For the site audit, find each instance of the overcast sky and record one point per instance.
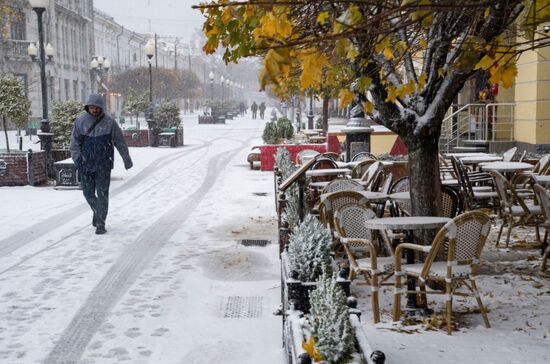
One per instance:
(165, 17)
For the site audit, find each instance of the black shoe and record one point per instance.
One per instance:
(100, 230)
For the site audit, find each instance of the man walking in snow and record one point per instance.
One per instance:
(254, 109)
(262, 110)
(94, 135)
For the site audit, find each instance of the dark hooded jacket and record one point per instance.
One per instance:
(92, 149)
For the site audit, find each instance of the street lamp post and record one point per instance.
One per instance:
(211, 78)
(222, 79)
(100, 65)
(150, 52)
(310, 115)
(39, 7)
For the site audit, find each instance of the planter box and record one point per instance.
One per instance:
(207, 119)
(294, 335)
(66, 175)
(136, 138)
(295, 293)
(20, 168)
(60, 154)
(267, 156)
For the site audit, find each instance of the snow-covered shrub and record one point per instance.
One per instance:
(270, 135)
(62, 118)
(330, 325)
(309, 249)
(284, 162)
(284, 128)
(167, 115)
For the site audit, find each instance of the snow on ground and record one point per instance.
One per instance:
(179, 215)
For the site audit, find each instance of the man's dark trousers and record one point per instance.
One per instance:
(99, 182)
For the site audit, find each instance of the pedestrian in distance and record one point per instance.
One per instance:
(94, 136)
(254, 109)
(262, 110)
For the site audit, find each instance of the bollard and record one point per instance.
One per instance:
(20, 143)
(30, 169)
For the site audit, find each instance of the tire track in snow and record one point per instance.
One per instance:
(76, 337)
(23, 237)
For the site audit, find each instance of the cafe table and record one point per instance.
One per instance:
(507, 167)
(542, 180)
(409, 224)
(328, 172)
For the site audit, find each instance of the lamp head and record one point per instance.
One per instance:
(150, 49)
(39, 4)
(106, 64)
(50, 51)
(94, 64)
(222, 79)
(32, 51)
(211, 76)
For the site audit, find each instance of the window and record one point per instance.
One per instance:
(83, 91)
(18, 29)
(75, 90)
(67, 89)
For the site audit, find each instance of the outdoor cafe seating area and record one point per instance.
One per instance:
(415, 267)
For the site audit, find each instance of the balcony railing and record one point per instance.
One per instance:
(16, 49)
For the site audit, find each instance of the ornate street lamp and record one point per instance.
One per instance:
(150, 52)
(100, 66)
(211, 78)
(39, 7)
(222, 79)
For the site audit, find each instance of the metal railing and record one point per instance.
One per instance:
(16, 48)
(477, 122)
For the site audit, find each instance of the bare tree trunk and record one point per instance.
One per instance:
(6, 133)
(424, 179)
(326, 99)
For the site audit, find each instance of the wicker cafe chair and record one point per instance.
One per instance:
(514, 210)
(361, 168)
(363, 156)
(362, 249)
(544, 200)
(334, 201)
(508, 155)
(331, 155)
(474, 197)
(323, 163)
(305, 154)
(400, 208)
(460, 241)
(342, 184)
(371, 175)
(451, 203)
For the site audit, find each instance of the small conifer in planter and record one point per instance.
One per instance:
(309, 249)
(331, 328)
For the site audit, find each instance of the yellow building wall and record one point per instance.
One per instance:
(532, 97)
(382, 143)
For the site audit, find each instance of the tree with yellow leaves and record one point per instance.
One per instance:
(409, 58)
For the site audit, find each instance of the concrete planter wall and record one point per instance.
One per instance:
(20, 168)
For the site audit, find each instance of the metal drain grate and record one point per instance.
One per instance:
(242, 307)
(254, 242)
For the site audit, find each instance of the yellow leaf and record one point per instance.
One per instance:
(392, 94)
(352, 54)
(322, 17)
(368, 107)
(441, 72)
(423, 43)
(401, 46)
(422, 81)
(388, 54)
(508, 75)
(487, 12)
(227, 15)
(345, 98)
(485, 63)
(312, 68)
(249, 12)
(309, 347)
(495, 74)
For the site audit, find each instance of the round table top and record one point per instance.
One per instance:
(355, 163)
(400, 196)
(368, 195)
(480, 159)
(463, 155)
(507, 166)
(327, 172)
(542, 180)
(407, 223)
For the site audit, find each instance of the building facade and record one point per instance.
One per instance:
(68, 27)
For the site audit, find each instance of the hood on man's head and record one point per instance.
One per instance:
(95, 100)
